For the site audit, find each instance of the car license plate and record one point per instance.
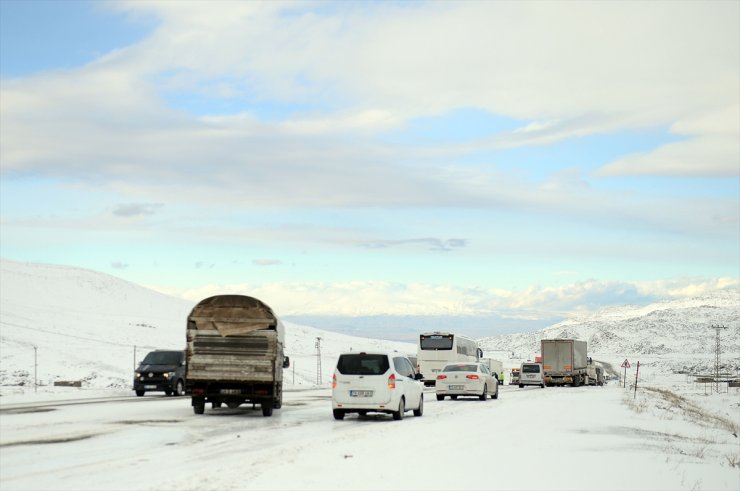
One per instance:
(457, 387)
(231, 391)
(150, 386)
(360, 393)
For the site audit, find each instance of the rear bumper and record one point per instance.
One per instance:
(531, 382)
(233, 391)
(469, 390)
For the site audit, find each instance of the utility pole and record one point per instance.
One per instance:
(717, 353)
(35, 368)
(318, 361)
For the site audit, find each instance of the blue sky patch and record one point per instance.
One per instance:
(42, 35)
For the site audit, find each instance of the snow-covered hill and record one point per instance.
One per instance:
(95, 327)
(677, 334)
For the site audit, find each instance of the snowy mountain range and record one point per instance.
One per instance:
(676, 333)
(65, 323)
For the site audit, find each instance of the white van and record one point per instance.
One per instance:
(378, 382)
(531, 374)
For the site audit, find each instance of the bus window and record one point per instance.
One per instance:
(435, 342)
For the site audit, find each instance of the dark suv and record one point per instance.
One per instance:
(161, 370)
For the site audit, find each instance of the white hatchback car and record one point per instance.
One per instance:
(466, 379)
(376, 381)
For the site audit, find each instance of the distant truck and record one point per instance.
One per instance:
(595, 374)
(235, 354)
(565, 362)
(515, 376)
(496, 367)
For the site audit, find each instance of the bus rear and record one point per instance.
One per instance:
(437, 349)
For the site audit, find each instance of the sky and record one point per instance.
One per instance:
(525, 159)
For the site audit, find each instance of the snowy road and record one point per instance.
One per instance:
(554, 438)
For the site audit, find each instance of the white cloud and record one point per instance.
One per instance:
(356, 298)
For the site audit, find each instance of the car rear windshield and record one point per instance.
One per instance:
(163, 358)
(363, 364)
(531, 368)
(461, 368)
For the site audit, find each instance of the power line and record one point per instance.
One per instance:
(127, 345)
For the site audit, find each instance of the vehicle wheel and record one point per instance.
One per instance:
(454, 398)
(139, 393)
(521, 386)
(216, 404)
(495, 395)
(420, 411)
(398, 415)
(267, 408)
(168, 392)
(440, 397)
(542, 386)
(484, 395)
(199, 409)
(179, 388)
(339, 414)
(233, 404)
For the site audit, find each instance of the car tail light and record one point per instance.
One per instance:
(392, 381)
(472, 376)
(334, 381)
(441, 377)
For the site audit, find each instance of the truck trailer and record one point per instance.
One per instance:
(496, 367)
(235, 354)
(564, 361)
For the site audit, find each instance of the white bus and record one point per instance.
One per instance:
(436, 349)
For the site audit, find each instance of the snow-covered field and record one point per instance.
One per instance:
(671, 433)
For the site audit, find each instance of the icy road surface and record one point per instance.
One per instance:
(590, 438)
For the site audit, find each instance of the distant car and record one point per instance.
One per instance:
(531, 374)
(161, 371)
(466, 379)
(377, 382)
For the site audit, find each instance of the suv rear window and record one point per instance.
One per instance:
(363, 364)
(531, 368)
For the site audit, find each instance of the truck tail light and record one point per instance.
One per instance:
(441, 377)
(472, 376)
(392, 381)
(334, 381)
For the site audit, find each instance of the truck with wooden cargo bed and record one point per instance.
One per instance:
(235, 354)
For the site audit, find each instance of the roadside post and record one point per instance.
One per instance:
(636, 374)
(625, 365)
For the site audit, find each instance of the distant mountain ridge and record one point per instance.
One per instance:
(93, 327)
(681, 328)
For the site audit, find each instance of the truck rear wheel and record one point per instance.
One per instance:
(139, 393)
(338, 414)
(199, 409)
(267, 408)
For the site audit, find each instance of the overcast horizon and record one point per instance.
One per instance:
(519, 160)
